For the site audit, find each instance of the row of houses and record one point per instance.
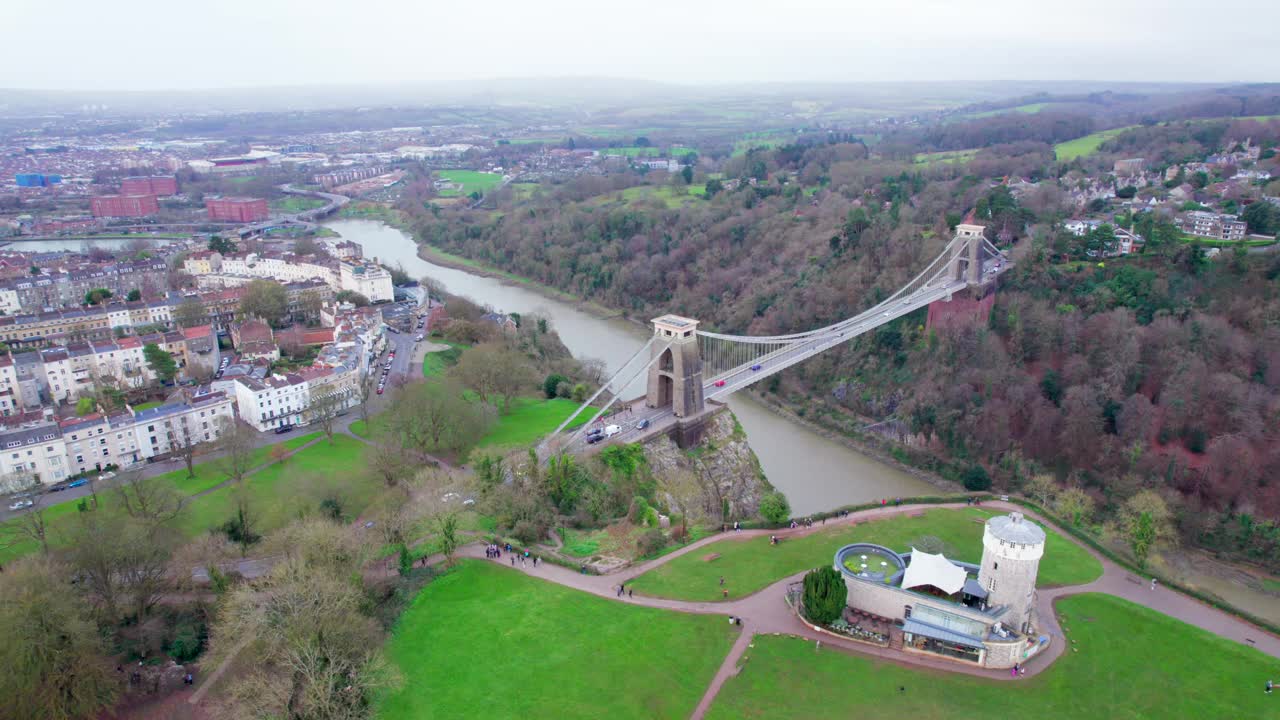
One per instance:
(50, 452)
(213, 269)
(62, 374)
(63, 288)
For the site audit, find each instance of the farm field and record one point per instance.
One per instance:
(486, 642)
(1087, 145)
(470, 180)
(1127, 662)
(751, 565)
(945, 156)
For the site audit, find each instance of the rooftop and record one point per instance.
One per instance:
(1015, 528)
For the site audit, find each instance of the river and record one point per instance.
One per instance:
(815, 473)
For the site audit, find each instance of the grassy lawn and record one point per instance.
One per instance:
(61, 516)
(147, 405)
(1029, 109)
(1132, 663)
(945, 156)
(278, 494)
(470, 180)
(295, 204)
(1087, 145)
(671, 197)
(750, 565)
(487, 642)
(632, 151)
(529, 419)
(434, 363)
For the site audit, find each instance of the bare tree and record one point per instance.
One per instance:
(121, 561)
(150, 499)
(390, 459)
(236, 443)
(366, 390)
(323, 410)
(30, 526)
(186, 445)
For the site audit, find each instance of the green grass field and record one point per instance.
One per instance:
(670, 196)
(147, 405)
(295, 204)
(470, 180)
(1131, 663)
(434, 363)
(1087, 145)
(487, 642)
(750, 565)
(1029, 109)
(279, 495)
(60, 517)
(529, 420)
(632, 151)
(945, 156)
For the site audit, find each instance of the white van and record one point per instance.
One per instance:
(612, 430)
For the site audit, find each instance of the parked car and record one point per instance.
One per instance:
(719, 383)
(77, 483)
(612, 430)
(284, 429)
(593, 439)
(20, 504)
(58, 488)
(379, 389)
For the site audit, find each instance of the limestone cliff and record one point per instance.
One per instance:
(720, 471)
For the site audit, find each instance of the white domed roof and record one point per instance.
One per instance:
(1014, 528)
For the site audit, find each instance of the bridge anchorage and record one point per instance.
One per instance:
(690, 371)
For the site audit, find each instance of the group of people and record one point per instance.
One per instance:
(1017, 670)
(623, 589)
(494, 552)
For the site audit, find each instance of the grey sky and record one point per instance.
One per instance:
(157, 44)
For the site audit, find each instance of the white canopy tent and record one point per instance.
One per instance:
(936, 570)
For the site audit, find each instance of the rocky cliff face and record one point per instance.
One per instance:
(721, 471)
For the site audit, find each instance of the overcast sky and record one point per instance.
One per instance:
(159, 44)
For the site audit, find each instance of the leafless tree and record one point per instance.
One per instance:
(149, 499)
(323, 409)
(30, 526)
(236, 443)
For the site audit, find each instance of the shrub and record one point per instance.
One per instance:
(651, 542)
(774, 508)
(187, 641)
(679, 533)
(637, 510)
(552, 384)
(825, 595)
(527, 532)
(976, 478)
(331, 508)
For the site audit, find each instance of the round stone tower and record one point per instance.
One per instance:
(1011, 550)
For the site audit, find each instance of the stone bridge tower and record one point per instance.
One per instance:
(675, 375)
(967, 265)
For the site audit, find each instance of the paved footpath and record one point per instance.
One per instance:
(766, 611)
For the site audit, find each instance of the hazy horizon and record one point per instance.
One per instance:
(147, 45)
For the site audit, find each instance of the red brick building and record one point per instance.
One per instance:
(124, 206)
(236, 209)
(162, 185)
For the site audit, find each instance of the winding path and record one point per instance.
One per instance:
(766, 611)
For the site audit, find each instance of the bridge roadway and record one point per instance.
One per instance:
(631, 414)
(305, 218)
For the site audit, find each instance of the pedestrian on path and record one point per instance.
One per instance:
(630, 592)
(535, 561)
(1270, 686)
(513, 560)
(1153, 583)
(620, 588)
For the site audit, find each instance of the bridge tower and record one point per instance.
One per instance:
(675, 375)
(967, 265)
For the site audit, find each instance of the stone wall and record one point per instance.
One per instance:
(721, 464)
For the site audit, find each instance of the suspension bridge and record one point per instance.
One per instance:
(686, 366)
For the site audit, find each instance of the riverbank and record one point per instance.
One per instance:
(457, 262)
(874, 451)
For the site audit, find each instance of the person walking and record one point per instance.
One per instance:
(726, 593)
(513, 560)
(630, 592)
(1153, 583)
(1270, 687)
(721, 581)
(535, 561)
